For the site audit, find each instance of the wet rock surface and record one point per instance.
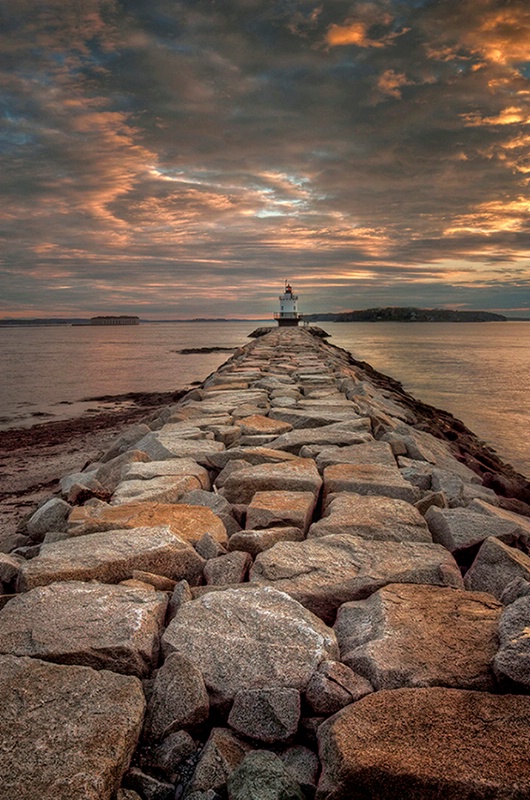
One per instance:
(209, 550)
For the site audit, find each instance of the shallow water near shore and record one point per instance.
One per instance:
(480, 372)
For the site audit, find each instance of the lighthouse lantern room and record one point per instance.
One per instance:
(288, 314)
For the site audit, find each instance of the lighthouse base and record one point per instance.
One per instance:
(288, 322)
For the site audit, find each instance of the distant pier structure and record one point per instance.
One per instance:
(288, 315)
(123, 320)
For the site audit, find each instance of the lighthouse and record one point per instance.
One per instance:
(288, 314)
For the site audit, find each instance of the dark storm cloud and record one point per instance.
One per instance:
(178, 156)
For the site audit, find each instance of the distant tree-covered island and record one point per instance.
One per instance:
(395, 314)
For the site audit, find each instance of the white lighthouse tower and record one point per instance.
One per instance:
(288, 314)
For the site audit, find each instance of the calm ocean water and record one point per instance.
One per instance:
(480, 372)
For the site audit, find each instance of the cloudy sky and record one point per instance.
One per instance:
(181, 158)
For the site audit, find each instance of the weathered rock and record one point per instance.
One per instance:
(252, 455)
(163, 444)
(430, 499)
(314, 417)
(515, 589)
(178, 700)
(291, 509)
(169, 754)
(158, 582)
(298, 475)
(52, 516)
(266, 715)
(459, 528)
(187, 522)
(372, 517)
(406, 635)
(333, 686)
(126, 441)
(127, 794)
(263, 776)
(249, 639)
(149, 787)
(230, 568)
(181, 594)
(77, 486)
(67, 731)
(174, 467)
(483, 507)
(449, 743)
(513, 658)
(324, 573)
(359, 431)
(303, 766)
(368, 479)
(90, 624)
(166, 489)
(364, 453)
(109, 473)
(111, 557)
(258, 424)
(222, 754)
(208, 547)
(495, 566)
(9, 567)
(219, 505)
(255, 542)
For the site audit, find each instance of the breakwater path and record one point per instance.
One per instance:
(280, 587)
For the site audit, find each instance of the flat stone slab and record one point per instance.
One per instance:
(459, 528)
(257, 541)
(369, 479)
(324, 573)
(270, 509)
(428, 744)
(165, 489)
(495, 566)
(258, 424)
(111, 557)
(90, 624)
(411, 635)
(253, 455)
(360, 431)
(188, 522)
(68, 732)
(157, 469)
(361, 453)
(313, 417)
(372, 517)
(161, 445)
(298, 475)
(249, 639)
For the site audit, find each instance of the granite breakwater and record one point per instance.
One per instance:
(295, 582)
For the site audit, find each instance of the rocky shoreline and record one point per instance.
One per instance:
(295, 581)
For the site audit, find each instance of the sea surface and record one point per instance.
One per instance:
(480, 372)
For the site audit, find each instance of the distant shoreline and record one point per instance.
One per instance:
(314, 318)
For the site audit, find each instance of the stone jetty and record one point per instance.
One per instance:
(281, 587)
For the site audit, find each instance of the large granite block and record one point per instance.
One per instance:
(326, 572)
(368, 479)
(298, 475)
(495, 566)
(429, 744)
(90, 624)
(372, 517)
(111, 557)
(412, 635)
(188, 522)
(67, 732)
(249, 639)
